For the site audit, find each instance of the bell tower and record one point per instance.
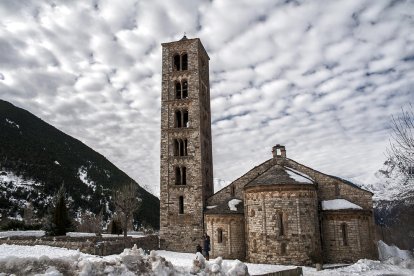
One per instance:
(186, 175)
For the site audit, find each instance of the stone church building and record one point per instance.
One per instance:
(279, 212)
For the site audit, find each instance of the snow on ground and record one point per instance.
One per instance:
(18, 181)
(133, 234)
(59, 260)
(338, 204)
(83, 176)
(28, 233)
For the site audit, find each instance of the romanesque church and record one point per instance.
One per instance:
(279, 212)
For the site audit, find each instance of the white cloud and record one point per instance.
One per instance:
(321, 77)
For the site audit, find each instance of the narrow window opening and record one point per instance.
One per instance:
(178, 121)
(176, 147)
(184, 176)
(177, 63)
(184, 62)
(185, 147)
(178, 90)
(219, 235)
(185, 90)
(344, 234)
(281, 224)
(337, 192)
(185, 119)
(232, 190)
(181, 143)
(177, 176)
(181, 205)
(283, 249)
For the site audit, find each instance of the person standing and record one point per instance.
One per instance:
(206, 246)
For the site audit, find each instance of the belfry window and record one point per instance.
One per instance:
(180, 62)
(180, 175)
(180, 147)
(181, 90)
(219, 235)
(181, 118)
(181, 205)
(344, 230)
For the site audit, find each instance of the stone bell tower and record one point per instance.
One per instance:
(186, 154)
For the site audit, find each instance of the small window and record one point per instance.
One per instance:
(344, 230)
(177, 63)
(185, 90)
(283, 247)
(281, 224)
(181, 205)
(411, 171)
(232, 190)
(337, 191)
(178, 90)
(180, 176)
(219, 235)
(181, 119)
(184, 62)
(180, 147)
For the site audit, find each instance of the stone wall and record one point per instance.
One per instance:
(281, 224)
(358, 241)
(89, 245)
(232, 245)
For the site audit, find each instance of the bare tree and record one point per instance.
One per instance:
(127, 201)
(402, 139)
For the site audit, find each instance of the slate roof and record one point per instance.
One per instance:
(224, 208)
(280, 175)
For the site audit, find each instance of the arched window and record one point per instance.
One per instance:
(181, 118)
(219, 235)
(337, 191)
(281, 224)
(177, 62)
(181, 205)
(180, 147)
(178, 90)
(180, 176)
(181, 90)
(184, 62)
(185, 89)
(344, 230)
(180, 62)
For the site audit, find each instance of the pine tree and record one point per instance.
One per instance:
(59, 222)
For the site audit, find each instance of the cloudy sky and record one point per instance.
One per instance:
(321, 77)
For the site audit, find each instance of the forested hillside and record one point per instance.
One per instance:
(36, 159)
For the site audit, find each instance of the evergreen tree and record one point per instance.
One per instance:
(59, 222)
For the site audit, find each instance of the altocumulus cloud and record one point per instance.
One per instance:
(321, 77)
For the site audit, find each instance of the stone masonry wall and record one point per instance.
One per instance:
(358, 244)
(233, 241)
(281, 240)
(181, 232)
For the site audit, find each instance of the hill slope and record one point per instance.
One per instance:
(36, 158)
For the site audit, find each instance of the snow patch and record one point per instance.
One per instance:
(83, 176)
(297, 176)
(57, 163)
(211, 206)
(28, 233)
(391, 251)
(12, 123)
(232, 204)
(338, 204)
(18, 181)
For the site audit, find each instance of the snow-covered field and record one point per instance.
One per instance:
(41, 233)
(52, 261)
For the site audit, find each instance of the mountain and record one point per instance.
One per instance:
(394, 205)
(36, 159)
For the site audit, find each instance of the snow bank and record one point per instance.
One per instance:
(391, 251)
(27, 233)
(46, 260)
(233, 203)
(338, 204)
